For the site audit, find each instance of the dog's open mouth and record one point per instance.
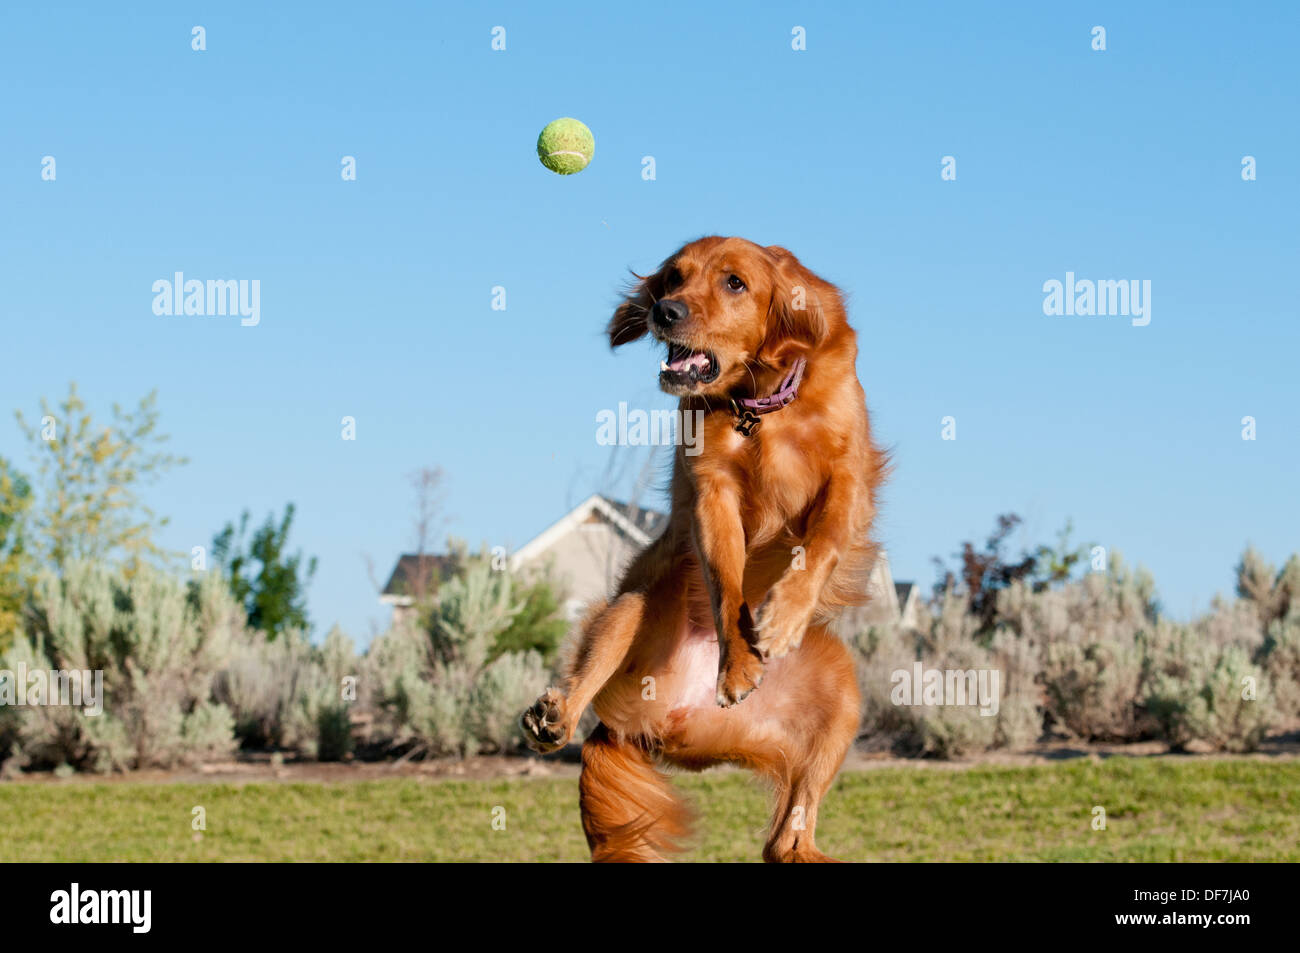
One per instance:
(687, 367)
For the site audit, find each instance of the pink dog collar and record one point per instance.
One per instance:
(749, 409)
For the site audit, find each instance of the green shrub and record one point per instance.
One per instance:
(333, 732)
(539, 626)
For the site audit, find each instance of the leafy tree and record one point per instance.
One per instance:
(87, 476)
(983, 573)
(15, 561)
(1054, 565)
(427, 483)
(269, 582)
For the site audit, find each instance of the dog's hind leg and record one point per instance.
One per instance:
(794, 730)
(791, 838)
(813, 759)
(603, 642)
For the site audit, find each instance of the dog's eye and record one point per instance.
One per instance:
(735, 284)
(672, 280)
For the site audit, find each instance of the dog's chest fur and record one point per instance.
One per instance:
(778, 471)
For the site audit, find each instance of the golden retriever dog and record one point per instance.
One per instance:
(716, 647)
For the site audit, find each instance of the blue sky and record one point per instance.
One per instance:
(376, 293)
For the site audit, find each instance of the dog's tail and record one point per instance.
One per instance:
(629, 809)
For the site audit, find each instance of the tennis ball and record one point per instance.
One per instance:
(566, 146)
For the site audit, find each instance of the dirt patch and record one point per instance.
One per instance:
(263, 768)
(873, 753)
(866, 755)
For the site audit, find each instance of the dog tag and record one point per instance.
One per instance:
(748, 423)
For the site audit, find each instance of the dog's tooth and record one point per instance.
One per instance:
(663, 366)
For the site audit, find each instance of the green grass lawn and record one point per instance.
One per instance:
(1157, 810)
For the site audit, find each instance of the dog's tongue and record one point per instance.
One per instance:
(697, 359)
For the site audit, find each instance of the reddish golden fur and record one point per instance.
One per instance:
(740, 509)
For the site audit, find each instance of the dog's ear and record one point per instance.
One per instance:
(797, 316)
(630, 318)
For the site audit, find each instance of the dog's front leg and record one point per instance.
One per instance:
(719, 538)
(786, 613)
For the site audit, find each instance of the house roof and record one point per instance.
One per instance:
(641, 525)
(398, 589)
(650, 522)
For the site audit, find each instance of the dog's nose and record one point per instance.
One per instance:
(667, 312)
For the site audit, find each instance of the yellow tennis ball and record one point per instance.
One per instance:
(566, 146)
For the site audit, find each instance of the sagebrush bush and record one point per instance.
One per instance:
(946, 642)
(1094, 659)
(158, 645)
(1232, 623)
(1198, 692)
(881, 650)
(1279, 654)
(1176, 666)
(441, 686)
(1235, 709)
(261, 685)
(504, 689)
(285, 693)
(950, 643)
(184, 678)
(1269, 592)
(1020, 714)
(1092, 690)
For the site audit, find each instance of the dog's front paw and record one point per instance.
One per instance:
(546, 724)
(741, 673)
(779, 624)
